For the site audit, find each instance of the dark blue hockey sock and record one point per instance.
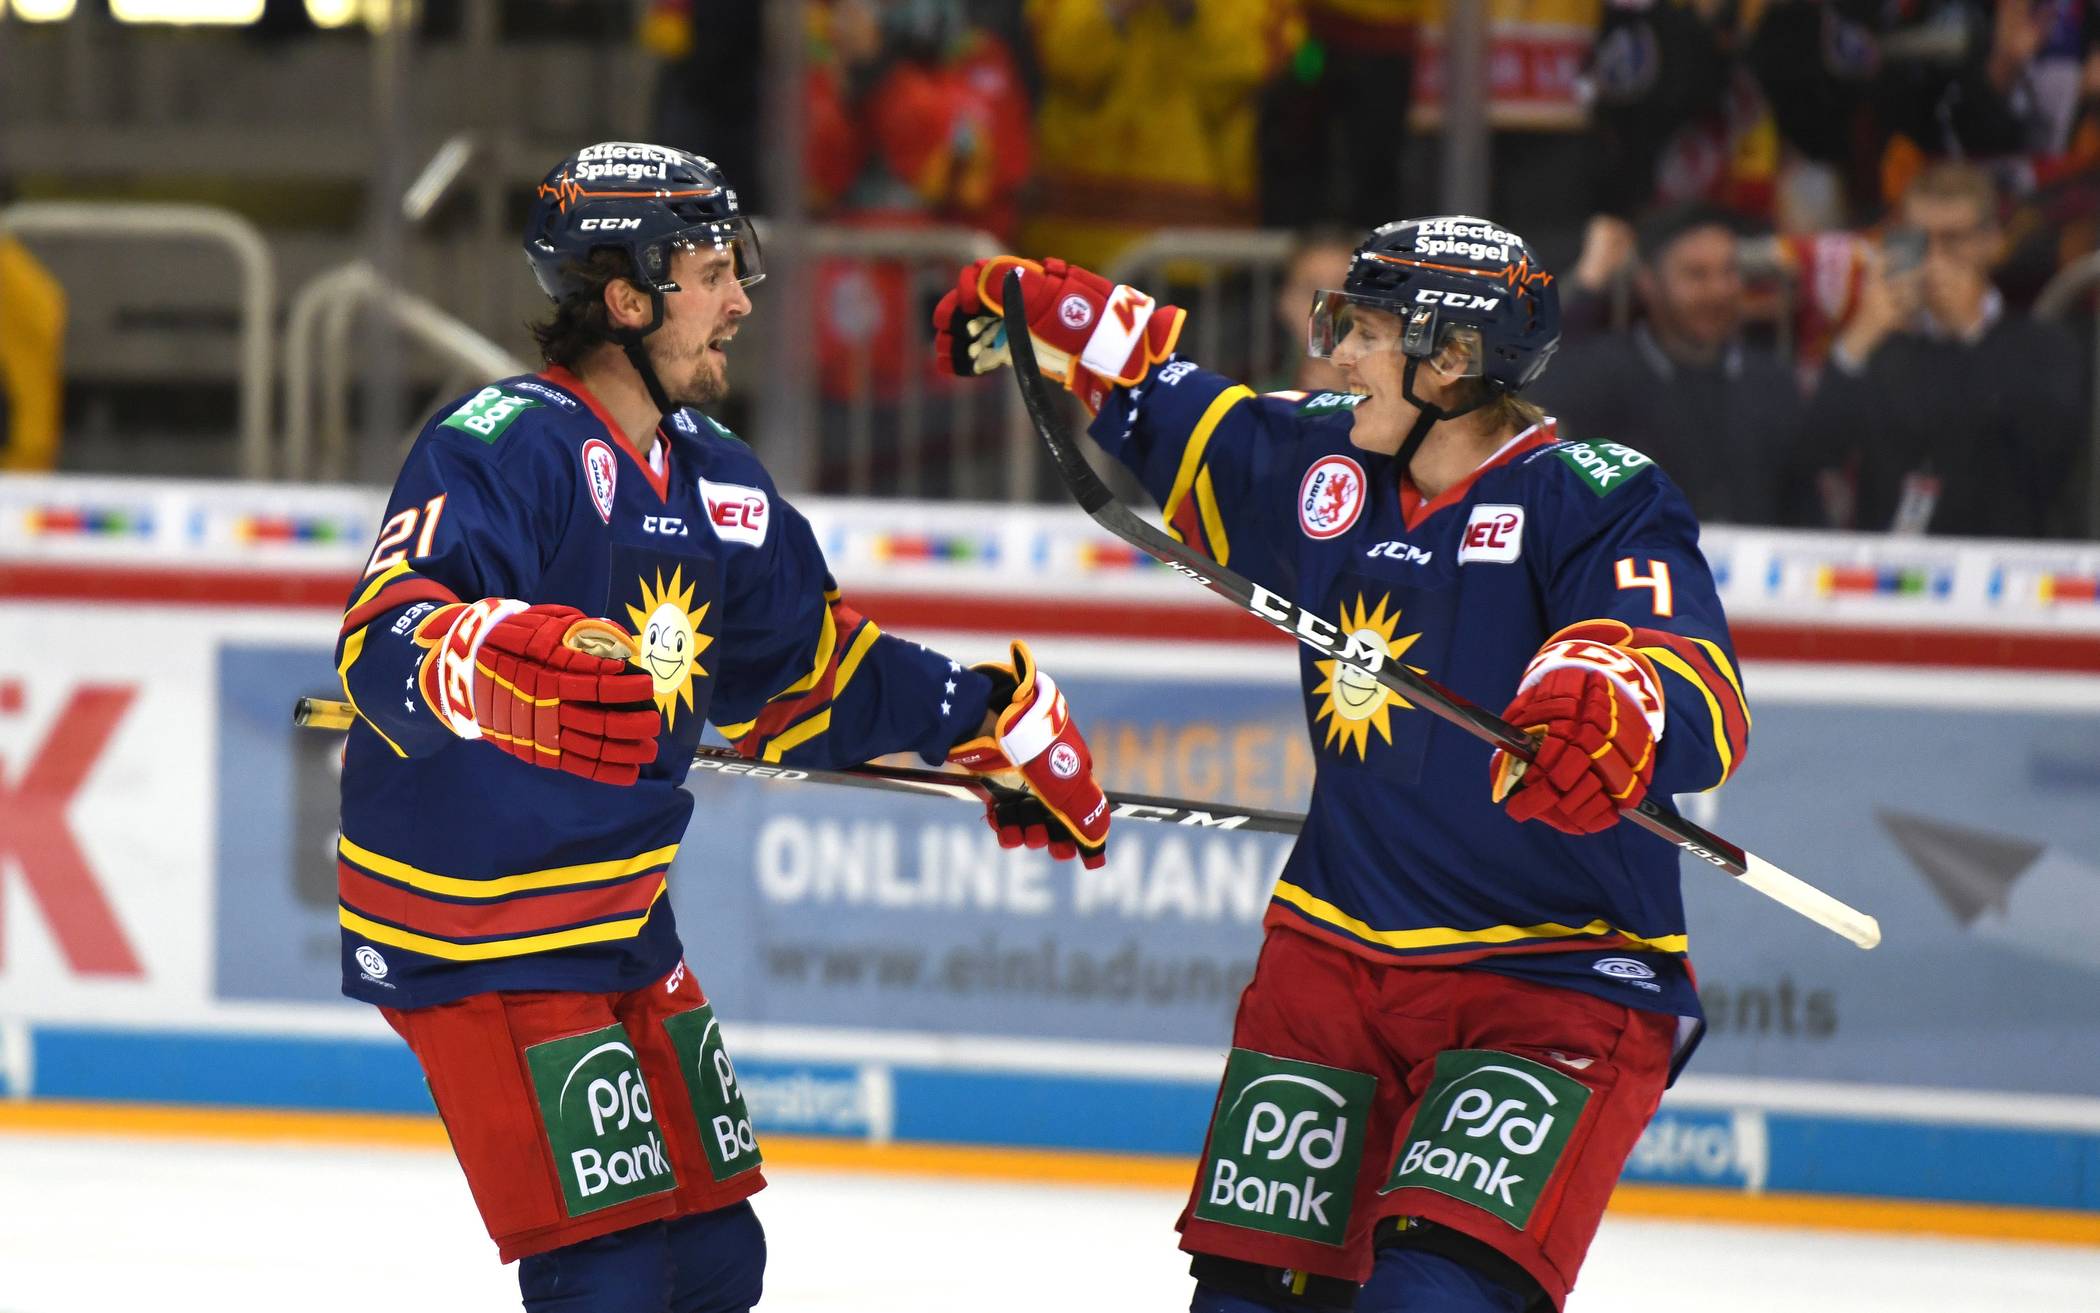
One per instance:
(626, 1272)
(1210, 1299)
(718, 1260)
(1410, 1280)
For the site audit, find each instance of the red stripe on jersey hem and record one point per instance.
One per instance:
(570, 383)
(398, 594)
(1413, 510)
(506, 918)
(1282, 915)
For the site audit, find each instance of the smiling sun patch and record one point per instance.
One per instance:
(671, 642)
(1352, 703)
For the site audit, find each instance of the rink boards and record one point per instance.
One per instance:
(1925, 747)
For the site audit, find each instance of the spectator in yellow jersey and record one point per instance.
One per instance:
(1148, 116)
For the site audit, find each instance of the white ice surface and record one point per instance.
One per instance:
(121, 1226)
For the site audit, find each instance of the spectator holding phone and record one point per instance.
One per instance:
(1941, 411)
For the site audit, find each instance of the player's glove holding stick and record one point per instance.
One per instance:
(1088, 334)
(1595, 705)
(1035, 740)
(547, 684)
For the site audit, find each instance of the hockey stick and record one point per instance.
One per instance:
(321, 713)
(1097, 501)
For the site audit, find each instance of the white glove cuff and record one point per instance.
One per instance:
(456, 656)
(1121, 328)
(1035, 729)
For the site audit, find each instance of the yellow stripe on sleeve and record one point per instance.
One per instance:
(1445, 937)
(353, 648)
(551, 878)
(827, 643)
(1213, 519)
(796, 735)
(1675, 664)
(1721, 663)
(862, 641)
(371, 590)
(1199, 441)
(603, 932)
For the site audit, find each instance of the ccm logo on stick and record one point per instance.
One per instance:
(738, 512)
(1493, 533)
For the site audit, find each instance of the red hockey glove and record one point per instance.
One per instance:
(1035, 739)
(546, 684)
(1596, 707)
(1088, 335)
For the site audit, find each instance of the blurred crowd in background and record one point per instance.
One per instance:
(1801, 243)
(1913, 171)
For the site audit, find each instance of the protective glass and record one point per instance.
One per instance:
(740, 239)
(736, 236)
(1372, 324)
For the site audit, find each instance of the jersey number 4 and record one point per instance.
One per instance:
(402, 527)
(1657, 578)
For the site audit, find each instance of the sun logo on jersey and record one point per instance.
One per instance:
(671, 641)
(1354, 703)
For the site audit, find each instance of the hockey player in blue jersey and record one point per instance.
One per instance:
(577, 569)
(1474, 983)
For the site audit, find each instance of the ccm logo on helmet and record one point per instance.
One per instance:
(608, 225)
(1458, 300)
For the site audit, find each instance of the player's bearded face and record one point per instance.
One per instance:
(691, 350)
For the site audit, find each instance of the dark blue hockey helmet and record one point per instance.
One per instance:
(648, 201)
(1452, 280)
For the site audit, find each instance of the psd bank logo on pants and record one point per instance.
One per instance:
(599, 1123)
(1490, 1132)
(1285, 1146)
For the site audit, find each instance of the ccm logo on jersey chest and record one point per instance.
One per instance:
(1493, 533)
(739, 513)
(669, 525)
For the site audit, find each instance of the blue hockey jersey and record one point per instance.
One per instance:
(1404, 858)
(461, 869)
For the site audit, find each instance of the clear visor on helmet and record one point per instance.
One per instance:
(1359, 325)
(736, 237)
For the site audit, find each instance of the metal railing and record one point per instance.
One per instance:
(317, 335)
(187, 223)
(2059, 298)
(1226, 279)
(918, 416)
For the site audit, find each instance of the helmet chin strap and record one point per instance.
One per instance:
(630, 340)
(1428, 414)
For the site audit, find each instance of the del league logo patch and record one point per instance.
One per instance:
(1331, 497)
(1493, 533)
(601, 474)
(1076, 311)
(738, 512)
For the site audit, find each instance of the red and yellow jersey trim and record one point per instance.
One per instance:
(463, 919)
(802, 710)
(1703, 664)
(1191, 509)
(1447, 942)
(397, 586)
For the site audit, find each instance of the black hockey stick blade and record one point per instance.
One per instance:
(322, 713)
(1324, 636)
